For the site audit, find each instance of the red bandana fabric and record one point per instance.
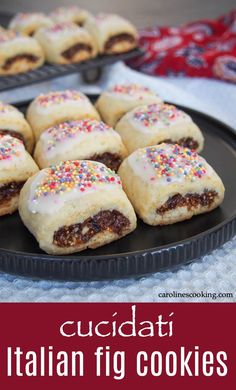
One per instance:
(204, 48)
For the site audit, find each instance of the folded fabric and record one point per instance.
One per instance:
(205, 48)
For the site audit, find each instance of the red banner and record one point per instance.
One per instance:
(190, 346)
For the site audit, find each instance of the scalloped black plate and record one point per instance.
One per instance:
(146, 250)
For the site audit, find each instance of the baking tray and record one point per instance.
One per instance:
(90, 70)
(146, 250)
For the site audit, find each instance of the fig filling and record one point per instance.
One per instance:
(80, 233)
(119, 38)
(9, 190)
(111, 160)
(69, 53)
(10, 61)
(191, 201)
(186, 142)
(13, 133)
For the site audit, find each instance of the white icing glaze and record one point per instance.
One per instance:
(67, 104)
(50, 191)
(25, 19)
(12, 151)
(8, 111)
(181, 170)
(131, 92)
(56, 144)
(152, 118)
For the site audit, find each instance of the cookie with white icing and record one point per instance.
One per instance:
(70, 14)
(112, 33)
(121, 98)
(28, 23)
(168, 183)
(54, 107)
(156, 123)
(19, 53)
(86, 139)
(66, 43)
(12, 122)
(76, 205)
(16, 166)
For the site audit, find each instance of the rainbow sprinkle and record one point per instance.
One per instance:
(71, 175)
(58, 97)
(131, 89)
(153, 113)
(70, 129)
(9, 147)
(175, 161)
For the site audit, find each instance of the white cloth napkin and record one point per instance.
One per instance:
(211, 278)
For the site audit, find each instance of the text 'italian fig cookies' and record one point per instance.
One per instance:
(12, 122)
(157, 123)
(87, 139)
(50, 109)
(19, 53)
(76, 205)
(66, 43)
(112, 33)
(70, 14)
(29, 23)
(119, 99)
(16, 166)
(169, 183)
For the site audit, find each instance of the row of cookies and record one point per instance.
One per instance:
(33, 38)
(165, 183)
(57, 121)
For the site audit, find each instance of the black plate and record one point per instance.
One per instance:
(146, 250)
(91, 69)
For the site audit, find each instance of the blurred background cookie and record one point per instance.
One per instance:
(66, 43)
(29, 23)
(19, 53)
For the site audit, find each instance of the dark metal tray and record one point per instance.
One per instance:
(91, 70)
(148, 249)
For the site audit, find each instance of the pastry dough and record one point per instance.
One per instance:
(50, 109)
(29, 23)
(156, 123)
(19, 53)
(168, 184)
(112, 33)
(12, 122)
(87, 139)
(16, 166)
(66, 43)
(76, 205)
(70, 14)
(119, 99)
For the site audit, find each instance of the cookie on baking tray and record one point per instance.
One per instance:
(19, 53)
(121, 98)
(28, 23)
(66, 43)
(12, 122)
(75, 205)
(156, 123)
(70, 14)
(168, 183)
(54, 107)
(112, 33)
(86, 139)
(16, 166)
